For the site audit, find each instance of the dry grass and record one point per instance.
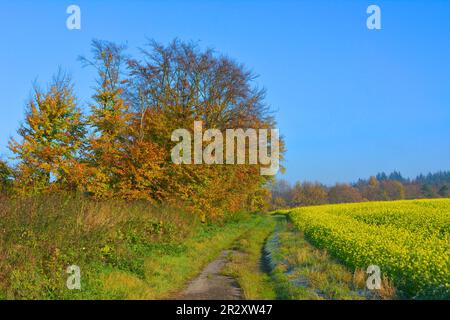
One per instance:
(359, 278)
(386, 292)
(40, 236)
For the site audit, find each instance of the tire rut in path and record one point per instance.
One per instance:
(211, 284)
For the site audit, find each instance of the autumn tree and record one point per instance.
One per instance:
(119, 162)
(371, 191)
(342, 193)
(175, 85)
(109, 120)
(123, 147)
(392, 190)
(51, 138)
(309, 194)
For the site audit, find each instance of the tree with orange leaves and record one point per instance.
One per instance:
(52, 136)
(119, 162)
(109, 121)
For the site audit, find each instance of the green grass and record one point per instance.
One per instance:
(289, 267)
(301, 271)
(124, 250)
(139, 251)
(245, 264)
(166, 275)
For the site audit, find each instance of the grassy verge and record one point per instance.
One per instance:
(301, 271)
(245, 264)
(165, 275)
(124, 250)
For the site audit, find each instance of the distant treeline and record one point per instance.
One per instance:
(377, 188)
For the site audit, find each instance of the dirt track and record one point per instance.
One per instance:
(211, 284)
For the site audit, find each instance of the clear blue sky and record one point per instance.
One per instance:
(349, 101)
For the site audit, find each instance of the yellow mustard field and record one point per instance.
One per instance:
(409, 240)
